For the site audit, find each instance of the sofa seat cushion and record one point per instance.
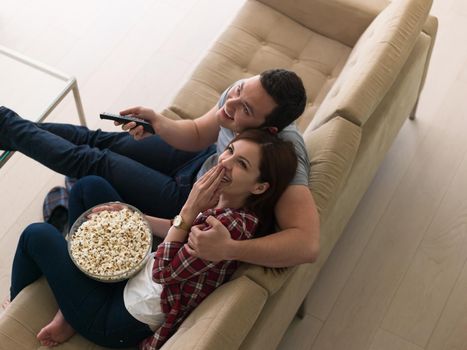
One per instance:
(258, 39)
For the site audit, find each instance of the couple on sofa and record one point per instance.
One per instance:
(156, 174)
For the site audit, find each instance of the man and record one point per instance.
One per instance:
(155, 173)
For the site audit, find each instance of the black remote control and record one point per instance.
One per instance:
(124, 119)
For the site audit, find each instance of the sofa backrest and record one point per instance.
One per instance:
(321, 16)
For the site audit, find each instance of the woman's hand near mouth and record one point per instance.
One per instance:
(204, 194)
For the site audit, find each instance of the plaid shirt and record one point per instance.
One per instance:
(188, 280)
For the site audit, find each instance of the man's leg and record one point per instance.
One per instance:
(151, 151)
(153, 192)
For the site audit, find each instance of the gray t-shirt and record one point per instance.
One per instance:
(290, 133)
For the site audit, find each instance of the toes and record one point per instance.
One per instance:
(48, 342)
(5, 303)
(42, 335)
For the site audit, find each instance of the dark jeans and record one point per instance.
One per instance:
(149, 174)
(94, 309)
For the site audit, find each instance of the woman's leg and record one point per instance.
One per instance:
(88, 192)
(56, 332)
(86, 304)
(154, 192)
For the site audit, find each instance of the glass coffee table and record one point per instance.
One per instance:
(32, 89)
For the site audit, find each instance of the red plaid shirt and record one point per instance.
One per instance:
(188, 280)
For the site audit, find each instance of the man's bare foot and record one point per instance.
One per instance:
(56, 332)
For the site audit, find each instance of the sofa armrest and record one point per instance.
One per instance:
(341, 20)
(31, 310)
(332, 149)
(22, 320)
(223, 320)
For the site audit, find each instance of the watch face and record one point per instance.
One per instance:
(177, 221)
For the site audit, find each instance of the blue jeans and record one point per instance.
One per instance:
(88, 192)
(94, 309)
(149, 174)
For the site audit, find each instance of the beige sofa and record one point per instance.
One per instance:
(363, 64)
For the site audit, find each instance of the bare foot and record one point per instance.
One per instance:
(56, 332)
(5, 303)
(4, 306)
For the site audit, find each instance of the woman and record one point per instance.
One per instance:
(241, 191)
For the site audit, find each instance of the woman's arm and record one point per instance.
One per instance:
(172, 262)
(159, 226)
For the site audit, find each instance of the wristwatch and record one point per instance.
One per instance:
(179, 223)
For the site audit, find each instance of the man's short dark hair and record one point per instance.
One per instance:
(287, 90)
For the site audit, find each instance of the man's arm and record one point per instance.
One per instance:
(188, 135)
(296, 243)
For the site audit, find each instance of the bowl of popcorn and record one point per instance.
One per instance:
(110, 245)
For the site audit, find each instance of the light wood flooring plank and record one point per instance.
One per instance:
(447, 60)
(460, 6)
(450, 332)
(184, 43)
(463, 73)
(178, 55)
(140, 91)
(387, 341)
(22, 213)
(442, 6)
(125, 60)
(19, 187)
(294, 338)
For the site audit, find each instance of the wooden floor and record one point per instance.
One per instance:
(396, 280)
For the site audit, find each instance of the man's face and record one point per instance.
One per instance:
(246, 107)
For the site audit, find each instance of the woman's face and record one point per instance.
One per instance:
(246, 107)
(241, 161)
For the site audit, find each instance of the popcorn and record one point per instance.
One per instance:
(111, 245)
